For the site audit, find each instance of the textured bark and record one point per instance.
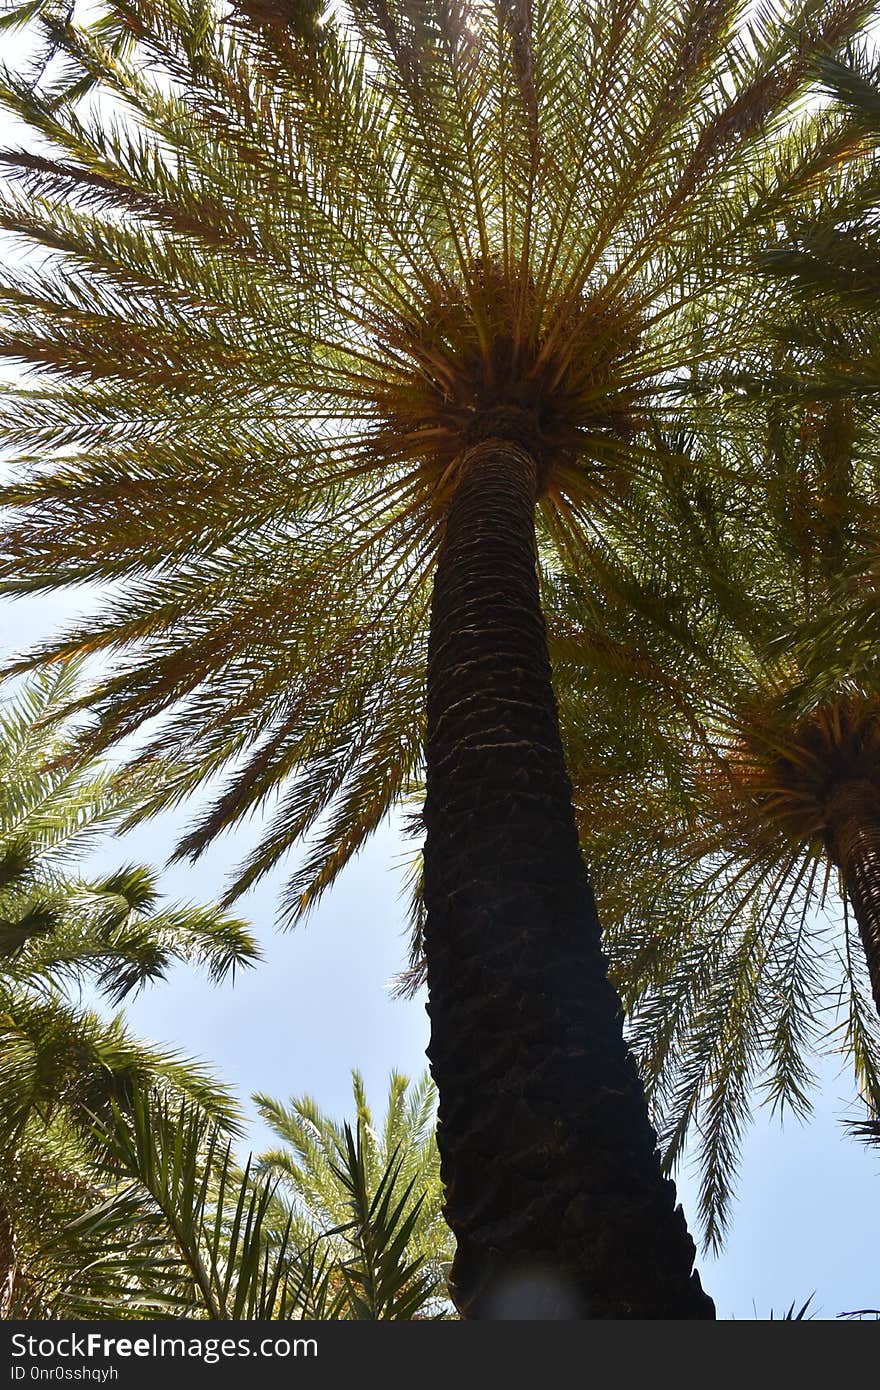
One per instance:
(553, 1185)
(7, 1260)
(854, 818)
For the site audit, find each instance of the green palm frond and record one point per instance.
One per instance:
(375, 1188)
(829, 259)
(381, 1282)
(55, 1056)
(180, 1229)
(852, 78)
(56, 926)
(57, 1269)
(168, 1224)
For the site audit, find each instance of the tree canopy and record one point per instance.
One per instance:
(282, 262)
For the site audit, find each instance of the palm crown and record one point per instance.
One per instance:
(398, 1173)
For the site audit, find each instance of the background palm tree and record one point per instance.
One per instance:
(151, 1215)
(753, 738)
(749, 785)
(62, 932)
(831, 264)
(315, 1171)
(343, 303)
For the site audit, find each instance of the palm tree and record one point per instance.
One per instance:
(765, 786)
(62, 1064)
(343, 305)
(748, 787)
(832, 267)
(318, 1176)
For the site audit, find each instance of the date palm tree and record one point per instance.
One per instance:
(340, 1223)
(63, 1064)
(345, 325)
(747, 788)
(330, 1174)
(833, 268)
(762, 791)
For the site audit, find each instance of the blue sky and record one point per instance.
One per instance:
(807, 1220)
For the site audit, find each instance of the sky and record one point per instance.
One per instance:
(807, 1221)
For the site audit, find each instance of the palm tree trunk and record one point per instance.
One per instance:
(854, 817)
(7, 1260)
(553, 1186)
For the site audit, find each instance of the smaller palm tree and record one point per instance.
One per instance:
(735, 710)
(63, 1065)
(342, 1179)
(342, 1223)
